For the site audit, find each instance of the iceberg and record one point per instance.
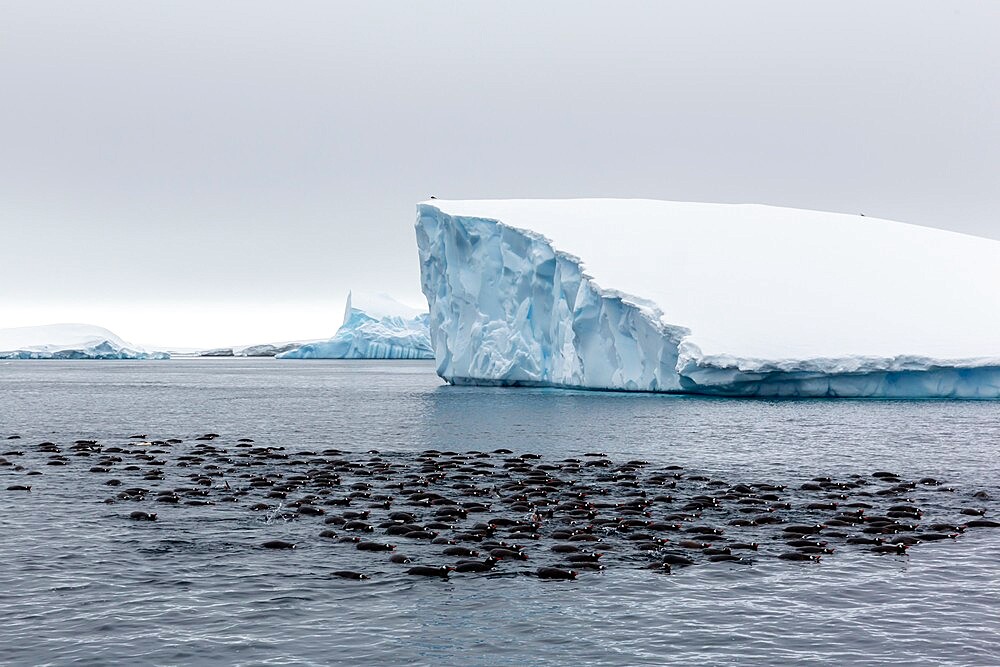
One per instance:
(376, 326)
(217, 352)
(69, 341)
(717, 299)
(267, 349)
(259, 350)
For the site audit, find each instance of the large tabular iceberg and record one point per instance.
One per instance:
(375, 327)
(739, 300)
(69, 341)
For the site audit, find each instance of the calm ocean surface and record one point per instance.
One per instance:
(81, 584)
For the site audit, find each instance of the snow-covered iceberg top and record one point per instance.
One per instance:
(376, 326)
(69, 341)
(708, 298)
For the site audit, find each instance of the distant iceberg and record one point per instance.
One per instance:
(261, 350)
(69, 341)
(735, 300)
(266, 349)
(216, 352)
(375, 327)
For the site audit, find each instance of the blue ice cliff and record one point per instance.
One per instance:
(375, 327)
(719, 299)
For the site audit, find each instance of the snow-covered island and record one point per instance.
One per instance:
(736, 300)
(376, 326)
(69, 341)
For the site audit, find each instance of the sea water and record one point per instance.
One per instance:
(81, 584)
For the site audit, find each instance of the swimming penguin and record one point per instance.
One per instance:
(691, 544)
(898, 549)
(803, 530)
(717, 551)
(400, 558)
(730, 558)
(584, 557)
(143, 516)
(821, 506)
(585, 565)
(460, 551)
(795, 555)
(805, 543)
(348, 574)
(815, 550)
(476, 566)
(419, 534)
(933, 537)
(277, 544)
(578, 537)
(359, 525)
(555, 573)
(565, 548)
(427, 571)
(19, 487)
(375, 546)
(946, 527)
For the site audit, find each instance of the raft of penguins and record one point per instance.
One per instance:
(496, 513)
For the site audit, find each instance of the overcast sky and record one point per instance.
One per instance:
(206, 173)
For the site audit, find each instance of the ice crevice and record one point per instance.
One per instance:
(508, 308)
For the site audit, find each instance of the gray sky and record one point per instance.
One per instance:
(207, 173)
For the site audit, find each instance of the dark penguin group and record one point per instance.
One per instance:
(437, 513)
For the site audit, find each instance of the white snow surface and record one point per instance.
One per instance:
(77, 341)
(744, 299)
(376, 326)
